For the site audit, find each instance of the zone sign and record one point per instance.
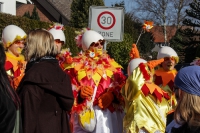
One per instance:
(108, 21)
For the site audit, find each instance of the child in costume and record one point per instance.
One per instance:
(146, 104)
(13, 38)
(96, 81)
(165, 74)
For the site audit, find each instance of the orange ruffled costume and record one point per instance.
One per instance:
(165, 79)
(93, 68)
(15, 67)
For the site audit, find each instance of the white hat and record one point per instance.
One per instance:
(89, 37)
(166, 52)
(133, 64)
(57, 34)
(12, 33)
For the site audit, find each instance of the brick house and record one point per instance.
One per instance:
(159, 38)
(158, 34)
(49, 10)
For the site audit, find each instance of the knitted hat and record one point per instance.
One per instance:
(188, 80)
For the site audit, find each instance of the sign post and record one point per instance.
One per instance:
(108, 21)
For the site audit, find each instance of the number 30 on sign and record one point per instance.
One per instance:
(106, 20)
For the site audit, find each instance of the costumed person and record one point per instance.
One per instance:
(64, 55)
(187, 112)
(165, 74)
(59, 37)
(146, 104)
(10, 121)
(13, 38)
(96, 81)
(45, 90)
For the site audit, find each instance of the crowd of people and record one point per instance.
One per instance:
(46, 90)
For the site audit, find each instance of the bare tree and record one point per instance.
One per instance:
(162, 12)
(180, 8)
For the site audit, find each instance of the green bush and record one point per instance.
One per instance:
(30, 24)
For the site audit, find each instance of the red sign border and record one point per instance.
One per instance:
(98, 20)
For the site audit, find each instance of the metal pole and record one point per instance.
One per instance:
(139, 36)
(105, 45)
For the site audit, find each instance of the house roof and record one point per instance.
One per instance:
(58, 9)
(158, 33)
(21, 10)
(63, 6)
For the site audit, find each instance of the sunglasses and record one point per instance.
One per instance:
(59, 41)
(19, 42)
(100, 42)
(169, 58)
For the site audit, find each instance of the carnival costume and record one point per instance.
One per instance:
(165, 79)
(15, 65)
(146, 104)
(93, 70)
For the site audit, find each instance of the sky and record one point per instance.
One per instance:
(108, 3)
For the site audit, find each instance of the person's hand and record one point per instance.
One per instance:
(105, 100)
(69, 60)
(153, 63)
(86, 91)
(134, 53)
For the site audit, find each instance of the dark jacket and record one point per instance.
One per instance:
(186, 129)
(46, 94)
(7, 113)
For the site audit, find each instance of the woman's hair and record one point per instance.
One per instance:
(5, 86)
(188, 109)
(40, 43)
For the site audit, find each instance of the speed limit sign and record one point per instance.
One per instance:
(108, 21)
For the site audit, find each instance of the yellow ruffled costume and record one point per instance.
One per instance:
(15, 67)
(146, 104)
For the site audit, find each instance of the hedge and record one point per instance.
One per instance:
(29, 24)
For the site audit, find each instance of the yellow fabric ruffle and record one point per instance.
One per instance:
(91, 68)
(15, 60)
(142, 111)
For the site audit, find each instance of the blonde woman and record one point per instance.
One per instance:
(45, 91)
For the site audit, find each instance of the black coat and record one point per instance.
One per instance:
(7, 113)
(186, 129)
(46, 94)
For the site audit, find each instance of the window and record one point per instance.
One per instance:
(1, 6)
